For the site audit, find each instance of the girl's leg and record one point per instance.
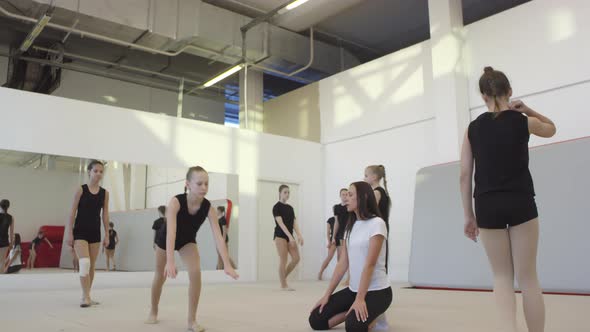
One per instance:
(524, 239)
(108, 257)
(327, 261)
(498, 249)
(157, 284)
(190, 257)
(294, 252)
(83, 252)
(94, 250)
(283, 251)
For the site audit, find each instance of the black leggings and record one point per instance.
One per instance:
(340, 302)
(13, 269)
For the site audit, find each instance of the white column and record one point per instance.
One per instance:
(251, 99)
(450, 85)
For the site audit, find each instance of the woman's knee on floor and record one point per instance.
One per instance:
(318, 321)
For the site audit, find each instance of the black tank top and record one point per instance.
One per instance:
(112, 238)
(499, 143)
(89, 208)
(384, 205)
(342, 213)
(5, 222)
(187, 225)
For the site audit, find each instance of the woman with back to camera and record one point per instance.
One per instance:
(369, 292)
(285, 225)
(158, 223)
(110, 249)
(505, 215)
(84, 226)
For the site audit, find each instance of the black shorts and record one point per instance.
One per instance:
(180, 242)
(280, 234)
(338, 242)
(500, 210)
(86, 235)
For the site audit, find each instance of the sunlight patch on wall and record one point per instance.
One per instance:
(562, 25)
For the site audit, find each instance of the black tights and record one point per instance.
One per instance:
(340, 302)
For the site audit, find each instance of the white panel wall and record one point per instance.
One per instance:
(543, 46)
(108, 91)
(545, 58)
(113, 133)
(380, 113)
(37, 197)
(379, 95)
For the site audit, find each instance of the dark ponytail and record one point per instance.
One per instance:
(5, 204)
(494, 84)
(366, 204)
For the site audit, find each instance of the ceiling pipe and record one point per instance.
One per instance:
(122, 66)
(107, 75)
(86, 34)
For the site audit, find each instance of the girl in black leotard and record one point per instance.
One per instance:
(184, 216)
(285, 228)
(373, 176)
(495, 146)
(34, 249)
(110, 250)
(336, 230)
(84, 227)
(6, 230)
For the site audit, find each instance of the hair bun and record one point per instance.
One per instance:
(488, 69)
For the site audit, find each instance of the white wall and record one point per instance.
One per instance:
(295, 114)
(377, 96)
(380, 112)
(113, 133)
(37, 197)
(543, 47)
(108, 91)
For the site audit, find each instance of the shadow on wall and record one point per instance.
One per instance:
(378, 95)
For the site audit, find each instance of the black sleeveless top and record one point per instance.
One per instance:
(384, 205)
(5, 222)
(112, 238)
(500, 147)
(341, 212)
(187, 225)
(89, 209)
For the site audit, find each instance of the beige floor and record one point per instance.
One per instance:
(260, 307)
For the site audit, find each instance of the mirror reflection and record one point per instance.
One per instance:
(42, 195)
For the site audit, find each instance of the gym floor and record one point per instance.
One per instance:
(48, 301)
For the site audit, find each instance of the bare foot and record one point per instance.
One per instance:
(152, 319)
(85, 303)
(196, 328)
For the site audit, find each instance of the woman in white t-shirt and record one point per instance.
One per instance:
(369, 293)
(14, 262)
